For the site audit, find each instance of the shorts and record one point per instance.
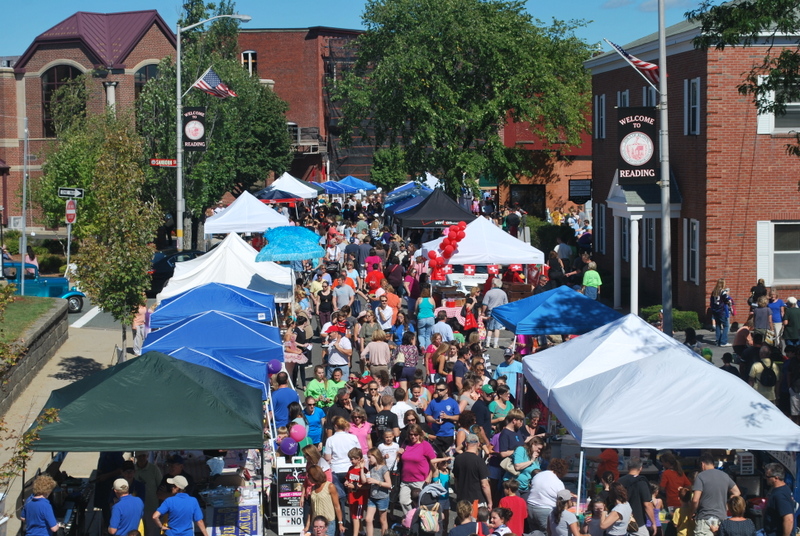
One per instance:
(357, 510)
(493, 324)
(408, 374)
(794, 403)
(379, 504)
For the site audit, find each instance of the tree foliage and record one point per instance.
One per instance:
(389, 167)
(439, 78)
(775, 80)
(246, 135)
(115, 257)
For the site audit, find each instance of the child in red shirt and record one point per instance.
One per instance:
(516, 504)
(356, 486)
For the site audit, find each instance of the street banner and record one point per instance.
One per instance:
(638, 145)
(194, 129)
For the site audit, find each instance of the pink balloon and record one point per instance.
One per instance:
(446, 232)
(298, 432)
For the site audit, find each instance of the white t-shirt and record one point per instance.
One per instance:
(337, 358)
(338, 445)
(400, 409)
(544, 487)
(389, 454)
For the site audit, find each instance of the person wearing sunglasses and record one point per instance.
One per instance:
(441, 414)
(315, 417)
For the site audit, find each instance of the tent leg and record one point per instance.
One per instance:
(580, 477)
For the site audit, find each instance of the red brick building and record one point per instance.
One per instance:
(122, 48)
(735, 189)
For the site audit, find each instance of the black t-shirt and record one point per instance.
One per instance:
(512, 220)
(638, 494)
(335, 411)
(511, 440)
(779, 503)
(483, 416)
(468, 528)
(469, 470)
(300, 336)
(384, 420)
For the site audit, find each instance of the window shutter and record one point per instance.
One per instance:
(685, 249)
(644, 95)
(697, 253)
(686, 105)
(765, 123)
(764, 251)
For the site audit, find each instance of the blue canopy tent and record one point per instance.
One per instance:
(243, 302)
(224, 333)
(333, 187)
(406, 204)
(247, 371)
(290, 244)
(561, 310)
(357, 183)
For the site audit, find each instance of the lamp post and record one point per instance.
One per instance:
(180, 203)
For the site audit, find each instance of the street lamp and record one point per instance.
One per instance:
(179, 123)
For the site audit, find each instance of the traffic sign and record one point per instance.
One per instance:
(71, 193)
(69, 214)
(163, 162)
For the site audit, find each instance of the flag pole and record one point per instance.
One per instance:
(621, 55)
(196, 81)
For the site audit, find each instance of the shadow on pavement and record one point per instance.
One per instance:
(77, 368)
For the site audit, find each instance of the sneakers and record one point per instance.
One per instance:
(726, 345)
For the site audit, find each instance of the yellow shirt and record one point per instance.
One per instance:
(684, 525)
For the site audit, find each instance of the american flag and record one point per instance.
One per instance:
(649, 70)
(211, 84)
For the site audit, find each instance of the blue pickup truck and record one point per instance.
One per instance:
(48, 287)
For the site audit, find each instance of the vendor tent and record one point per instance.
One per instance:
(407, 203)
(154, 402)
(358, 183)
(558, 311)
(437, 211)
(276, 196)
(333, 187)
(291, 244)
(239, 301)
(225, 334)
(232, 262)
(409, 189)
(485, 243)
(604, 385)
(245, 215)
(287, 183)
(248, 371)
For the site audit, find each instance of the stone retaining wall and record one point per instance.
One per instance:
(42, 339)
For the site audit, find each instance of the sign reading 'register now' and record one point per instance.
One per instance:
(638, 145)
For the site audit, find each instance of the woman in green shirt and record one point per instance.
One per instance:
(591, 281)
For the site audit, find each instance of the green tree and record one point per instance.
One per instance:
(115, 258)
(775, 80)
(246, 135)
(389, 167)
(439, 78)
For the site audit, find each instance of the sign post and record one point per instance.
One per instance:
(70, 214)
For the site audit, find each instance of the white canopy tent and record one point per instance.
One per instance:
(485, 243)
(604, 385)
(245, 215)
(287, 183)
(431, 181)
(232, 262)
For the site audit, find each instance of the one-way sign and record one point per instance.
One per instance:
(70, 193)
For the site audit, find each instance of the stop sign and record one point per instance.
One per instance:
(70, 212)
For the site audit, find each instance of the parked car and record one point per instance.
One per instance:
(465, 282)
(48, 287)
(163, 266)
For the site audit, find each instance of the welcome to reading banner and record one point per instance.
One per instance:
(638, 145)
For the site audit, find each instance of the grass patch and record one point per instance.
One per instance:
(20, 314)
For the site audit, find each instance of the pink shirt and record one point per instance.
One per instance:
(362, 433)
(417, 462)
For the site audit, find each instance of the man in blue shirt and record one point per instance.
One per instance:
(184, 511)
(127, 512)
(779, 513)
(441, 414)
(442, 327)
(512, 370)
(281, 398)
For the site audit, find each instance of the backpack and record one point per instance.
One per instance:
(768, 378)
(429, 517)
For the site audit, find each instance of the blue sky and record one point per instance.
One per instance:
(621, 21)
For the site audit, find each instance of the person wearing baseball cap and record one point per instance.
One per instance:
(174, 468)
(183, 510)
(127, 512)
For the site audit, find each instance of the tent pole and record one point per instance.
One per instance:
(580, 478)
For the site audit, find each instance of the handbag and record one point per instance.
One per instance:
(508, 465)
(633, 526)
(470, 322)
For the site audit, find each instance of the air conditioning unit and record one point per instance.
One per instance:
(15, 222)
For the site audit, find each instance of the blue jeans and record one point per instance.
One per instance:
(338, 482)
(590, 292)
(722, 327)
(424, 329)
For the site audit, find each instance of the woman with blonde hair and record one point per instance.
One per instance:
(377, 354)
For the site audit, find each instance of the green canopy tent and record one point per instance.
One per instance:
(154, 402)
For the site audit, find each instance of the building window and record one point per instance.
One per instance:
(649, 244)
(142, 76)
(53, 79)
(623, 99)
(691, 107)
(691, 251)
(778, 252)
(788, 121)
(250, 62)
(626, 239)
(599, 214)
(649, 96)
(600, 116)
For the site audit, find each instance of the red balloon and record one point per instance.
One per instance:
(446, 242)
(454, 228)
(462, 225)
(448, 251)
(461, 235)
(439, 262)
(431, 255)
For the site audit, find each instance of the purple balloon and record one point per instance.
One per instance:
(274, 366)
(289, 446)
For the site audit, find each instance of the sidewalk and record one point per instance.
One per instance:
(85, 352)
